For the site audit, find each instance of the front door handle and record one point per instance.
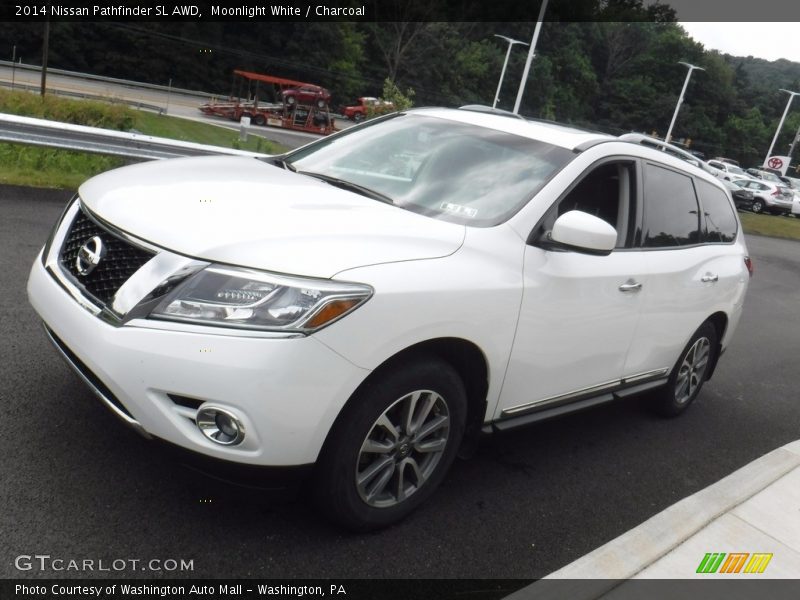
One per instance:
(709, 278)
(630, 286)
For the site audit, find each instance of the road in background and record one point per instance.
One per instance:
(78, 484)
(173, 103)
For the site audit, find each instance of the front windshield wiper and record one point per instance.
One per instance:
(348, 185)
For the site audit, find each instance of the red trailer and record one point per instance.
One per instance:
(291, 111)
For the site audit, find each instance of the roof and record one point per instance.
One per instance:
(552, 133)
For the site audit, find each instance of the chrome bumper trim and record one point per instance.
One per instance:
(128, 420)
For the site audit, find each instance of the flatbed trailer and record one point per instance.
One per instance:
(300, 117)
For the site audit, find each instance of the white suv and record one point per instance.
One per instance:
(361, 306)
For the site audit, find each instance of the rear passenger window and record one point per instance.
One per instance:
(671, 214)
(719, 221)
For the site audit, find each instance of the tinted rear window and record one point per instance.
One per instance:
(719, 221)
(670, 209)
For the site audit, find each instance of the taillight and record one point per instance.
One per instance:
(749, 264)
(777, 192)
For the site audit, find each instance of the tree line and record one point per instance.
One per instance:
(616, 72)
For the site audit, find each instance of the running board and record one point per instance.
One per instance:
(563, 409)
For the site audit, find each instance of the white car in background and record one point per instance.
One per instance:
(725, 170)
(794, 184)
(773, 198)
(355, 309)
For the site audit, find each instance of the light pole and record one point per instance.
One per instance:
(680, 100)
(505, 64)
(783, 118)
(794, 141)
(528, 62)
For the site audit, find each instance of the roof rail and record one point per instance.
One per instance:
(646, 140)
(491, 110)
(640, 138)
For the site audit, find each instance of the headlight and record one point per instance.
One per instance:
(244, 298)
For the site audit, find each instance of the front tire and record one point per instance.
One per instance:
(392, 446)
(758, 206)
(689, 373)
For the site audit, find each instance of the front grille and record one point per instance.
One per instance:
(121, 260)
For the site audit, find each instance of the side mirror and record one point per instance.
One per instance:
(582, 232)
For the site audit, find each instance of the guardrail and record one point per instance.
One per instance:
(53, 134)
(101, 78)
(70, 94)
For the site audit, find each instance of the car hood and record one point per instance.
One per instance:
(245, 212)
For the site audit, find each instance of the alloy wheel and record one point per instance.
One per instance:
(692, 370)
(402, 449)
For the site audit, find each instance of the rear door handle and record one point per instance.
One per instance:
(630, 286)
(709, 278)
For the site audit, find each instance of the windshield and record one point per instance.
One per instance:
(735, 170)
(440, 168)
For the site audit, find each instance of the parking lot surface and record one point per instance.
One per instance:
(79, 485)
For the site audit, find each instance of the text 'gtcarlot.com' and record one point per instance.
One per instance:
(45, 562)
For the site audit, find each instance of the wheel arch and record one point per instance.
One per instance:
(720, 322)
(464, 356)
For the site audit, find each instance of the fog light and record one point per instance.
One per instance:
(220, 425)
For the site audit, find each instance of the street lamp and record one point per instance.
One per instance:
(788, 104)
(680, 100)
(505, 64)
(531, 52)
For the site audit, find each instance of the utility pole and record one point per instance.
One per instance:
(13, 65)
(45, 48)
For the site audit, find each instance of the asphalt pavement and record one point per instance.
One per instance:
(77, 484)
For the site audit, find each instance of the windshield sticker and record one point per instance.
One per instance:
(458, 209)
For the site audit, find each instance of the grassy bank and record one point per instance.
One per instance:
(48, 167)
(772, 226)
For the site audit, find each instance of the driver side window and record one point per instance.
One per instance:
(607, 192)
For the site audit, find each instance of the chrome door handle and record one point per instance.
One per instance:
(630, 286)
(709, 278)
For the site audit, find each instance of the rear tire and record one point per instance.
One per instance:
(758, 206)
(379, 464)
(689, 373)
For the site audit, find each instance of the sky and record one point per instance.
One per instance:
(770, 41)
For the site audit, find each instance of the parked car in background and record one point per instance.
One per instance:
(742, 198)
(727, 160)
(768, 197)
(725, 170)
(359, 112)
(764, 175)
(309, 95)
(794, 184)
(352, 310)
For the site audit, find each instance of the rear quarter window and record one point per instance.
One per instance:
(718, 219)
(671, 214)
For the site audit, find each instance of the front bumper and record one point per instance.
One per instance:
(286, 391)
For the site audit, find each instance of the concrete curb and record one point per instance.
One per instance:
(630, 553)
